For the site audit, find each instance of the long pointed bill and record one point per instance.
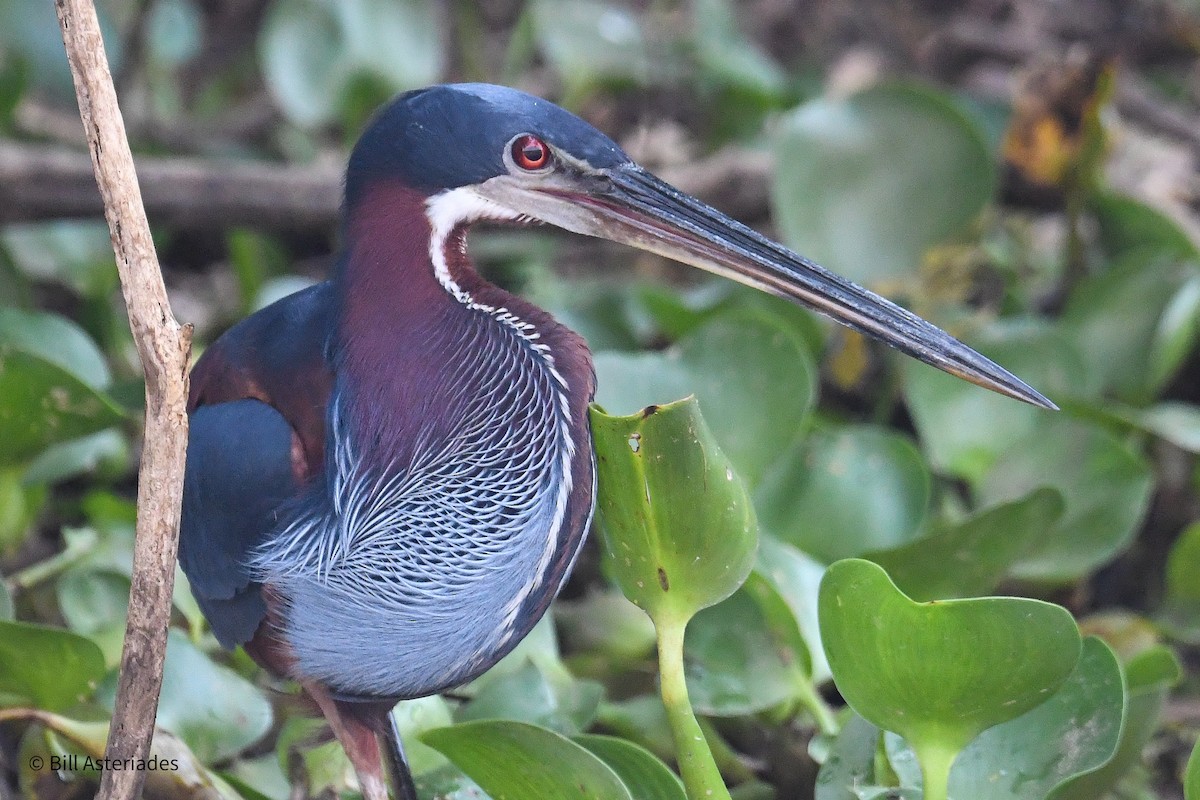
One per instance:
(629, 205)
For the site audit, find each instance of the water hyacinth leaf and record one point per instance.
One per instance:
(939, 674)
(868, 183)
(105, 453)
(678, 528)
(843, 491)
(302, 745)
(1075, 732)
(55, 339)
(1148, 677)
(563, 704)
(1113, 319)
(736, 663)
(752, 376)
(19, 507)
(1183, 565)
(448, 783)
(971, 557)
(641, 719)
(605, 622)
(1177, 333)
(6, 603)
(515, 759)
(78, 254)
(1104, 484)
(260, 778)
(1180, 613)
(414, 717)
(1126, 225)
(1178, 423)
(50, 668)
(796, 576)
(95, 604)
(313, 51)
(643, 774)
(1191, 776)
(964, 430)
(727, 56)
(590, 42)
(214, 710)
(41, 404)
(850, 766)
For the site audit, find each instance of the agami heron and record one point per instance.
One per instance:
(390, 474)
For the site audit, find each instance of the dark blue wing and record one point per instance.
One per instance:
(239, 477)
(257, 412)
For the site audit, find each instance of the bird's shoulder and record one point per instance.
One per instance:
(280, 356)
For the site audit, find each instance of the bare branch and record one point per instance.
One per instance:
(39, 183)
(164, 348)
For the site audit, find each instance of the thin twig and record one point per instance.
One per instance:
(164, 348)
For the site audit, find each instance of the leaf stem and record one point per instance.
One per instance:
(811, 699)
(935, 760)
(701, 778)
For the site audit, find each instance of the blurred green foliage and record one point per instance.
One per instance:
(825, 447)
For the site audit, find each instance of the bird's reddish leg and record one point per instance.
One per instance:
(363, 730)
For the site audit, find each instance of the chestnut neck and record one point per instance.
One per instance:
(399, 330)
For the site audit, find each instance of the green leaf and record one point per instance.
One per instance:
(559, 703)
(1105, 485)
(1126, 225)
(797, 578)
(1075, 732)
(963, 430)
(678, 528)
(1114, 318)
(19, 507)
(728, 56)
(850, 766)
(940, 673)
(214, 710)
(514, 759)
(737, 663)
(6, 602)
(105, 453)
(590, 42)
(303, 747)
(448, 783)
(314, 51)
(1148, 678)
(1176, 335)
(1180, 613)
(846, 490)
(41, 404)
(1191, 777)
(868, 183)
(57, 340)
(46, 667)
(970, 558)
(414, 717)
(1183, 565)
(752, 376)
(78, 254)
(607, 624)
(95, 604)
(643, 774)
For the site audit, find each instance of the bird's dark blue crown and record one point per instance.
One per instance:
(452, 135)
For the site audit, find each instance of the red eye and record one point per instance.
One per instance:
(529, 152)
